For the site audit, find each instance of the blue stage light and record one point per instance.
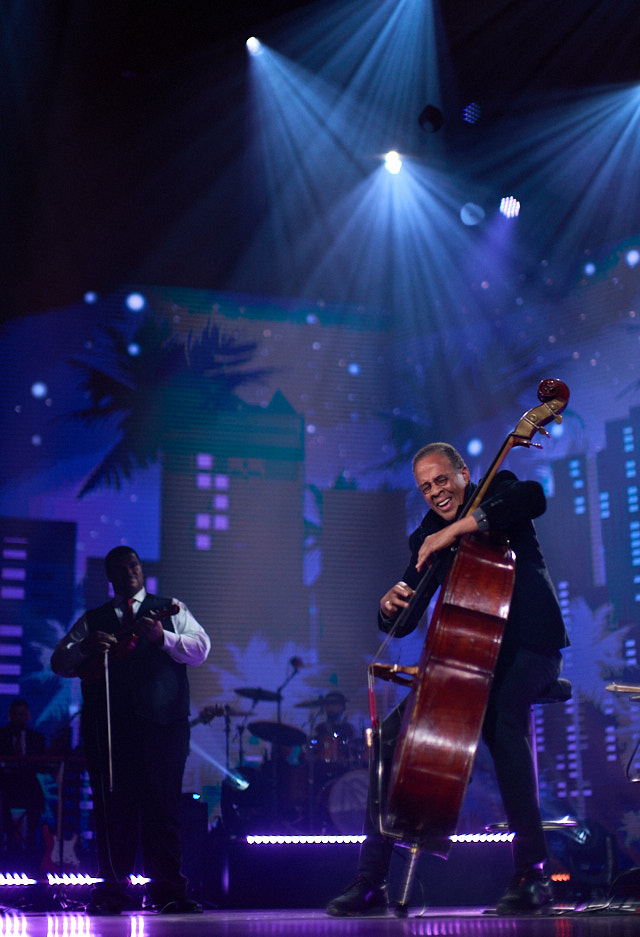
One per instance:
(392, 162)
(471, 214)
(254, 46)
(135, 302)
(510, 207)
(471, 113)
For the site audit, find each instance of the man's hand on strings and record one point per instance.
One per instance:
(395, 600)
(444, 538)
(151, 629)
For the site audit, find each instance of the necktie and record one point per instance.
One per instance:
(127, 615)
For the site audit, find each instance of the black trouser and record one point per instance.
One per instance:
(506, 732)
(517, 683)
(143, 807)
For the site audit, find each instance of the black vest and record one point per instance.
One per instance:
(144, 681)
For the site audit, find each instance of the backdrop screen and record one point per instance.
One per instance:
(256, 454)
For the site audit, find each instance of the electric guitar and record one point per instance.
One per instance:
(207, 714)
(55, 859)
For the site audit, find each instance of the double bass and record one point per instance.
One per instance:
(450, 685)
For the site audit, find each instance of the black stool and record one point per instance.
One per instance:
(559, 691)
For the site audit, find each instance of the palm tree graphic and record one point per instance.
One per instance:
(145, 385)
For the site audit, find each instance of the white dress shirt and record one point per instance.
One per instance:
(188, 643)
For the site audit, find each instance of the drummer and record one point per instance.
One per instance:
(333, 739)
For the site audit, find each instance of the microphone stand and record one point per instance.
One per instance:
(296, 671)
(227, 733)
(276, 753)
(312, 814)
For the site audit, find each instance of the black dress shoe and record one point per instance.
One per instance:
(104, 904)
(362, 897)
(180, 906)
(528, 891)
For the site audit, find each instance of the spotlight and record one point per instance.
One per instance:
(430, 118)
(589, 268)
(632, 257)
(16, 878)
(71, 878)
(240, 783)
(471, 113)
(284, 839)
(39, 390)
(392, 162)
(135, 302)
(254, 46)
(471, 214)
(510, 207)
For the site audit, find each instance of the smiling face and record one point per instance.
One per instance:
(124, 572)
(441, 485)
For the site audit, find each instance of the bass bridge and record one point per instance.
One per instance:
(394, 673)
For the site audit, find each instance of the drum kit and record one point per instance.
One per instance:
(308, 782)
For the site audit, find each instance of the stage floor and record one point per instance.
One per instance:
(467, 922)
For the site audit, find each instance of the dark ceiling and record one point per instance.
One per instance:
(82, 205)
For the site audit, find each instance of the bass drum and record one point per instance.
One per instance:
(347, 801)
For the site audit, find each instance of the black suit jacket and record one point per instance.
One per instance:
(19, 784)
(535, 619)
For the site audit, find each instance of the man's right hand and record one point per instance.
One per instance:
(97, 643)
(395, 600)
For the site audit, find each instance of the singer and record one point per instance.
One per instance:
(148, 713)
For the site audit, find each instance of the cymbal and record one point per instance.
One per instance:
(278, 732)
(257, 693)
(310, 704)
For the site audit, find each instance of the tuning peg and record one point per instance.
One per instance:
(558, 418)
(543, 431)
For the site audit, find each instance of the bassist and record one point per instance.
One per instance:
(528, 662)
